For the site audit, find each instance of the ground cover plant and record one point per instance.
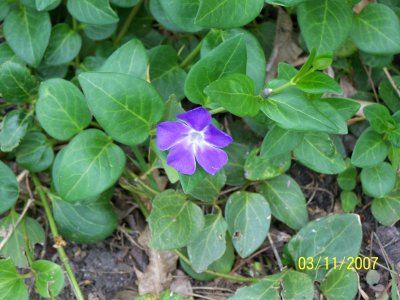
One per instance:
(247, 149)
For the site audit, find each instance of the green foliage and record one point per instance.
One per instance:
(10, 282)
(340, 284)
(370, 149)
(95, 12)
(13, 129)
(387, 209)
(9, 189)
(379, 180)
(49, 278)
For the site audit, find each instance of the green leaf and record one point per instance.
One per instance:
(166, 75)
(346, 108)
(182, 13)
(379, 180)
(347, 180)
(49, 278)
(86, 222)
(348, 201)
(227, 14)
(17, 85)
(28, 32)
(279, 140)
(322, 61)
(340, 284)
(286, 200)
(326, 239)
(387, 209)
(13, 129)
(394, 136)
(99, 32)
(12, 286)
(5, 8)
(64, 45)
(29, 229)
(248, 217)
(286, 71)
(388, 94)
(90, 164)
(61, 109)
(297, 285)
(130, 59)
(266, 288)
(292, 110)
(209, 245)
(234, 169)
(331, 114)
(189, 182)
(6, 54)
(125, 106)
(379, 117)
(209, 187)
(318, 152)
(228, 58)
(261, 168)
(174, 222)
(35, 153)
(95, 12)
(325, 24)
(318, 83)
(369, 150)
(285, 2)
(236, 93)
(377, 30)
(46, 4)
(161, 17)
(125, 3)
(9, 188)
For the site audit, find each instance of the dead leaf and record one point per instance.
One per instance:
(158, 275)
(181, 284)
(348, 89)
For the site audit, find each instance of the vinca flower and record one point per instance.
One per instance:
(193, 139)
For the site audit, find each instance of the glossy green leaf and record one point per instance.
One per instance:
(9, 188)
(330, 113)
(370, 149)
(130, 59)
(64, 45)
(49, 278)
(125, 106)
(5, 8)
(248, 217)
(347, 180)
(174, 222)
(292, 110)
(209, 187)
(96, 12)
(165, 74)
(125, 3)
(261, 168)
(286, 200)
(387, 209)
(346, 108)
(12, 286)
(379, 117)
(85, 222)
(297, 286)
(15, 247)
(28, 32)
(182, 13)
(327, 239)
(340, 284)
(190, 182)
(227, 14)
(319, 83)
(6, 54)
(209, 245)
(228, 58)
(325, 24)
(99, 32)
(279, 140)
(159, 14)
(234, 169)
(267, 288)
(379, 180)
(61, 109)
(46, 4)
(13, 129)
(236, 93)
(348, 201)
(377, 30)
(17, 85)
(285, 2)
(388, 94)
(90, 164)
(35, 153)
(318, 152)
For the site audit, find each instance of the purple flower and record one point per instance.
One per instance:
(194, 139)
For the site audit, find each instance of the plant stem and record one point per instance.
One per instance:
(60, 249)
(282, 87)
(128, 22)
(217, 110)
(191, 56)
(144, 167)
(222, 275)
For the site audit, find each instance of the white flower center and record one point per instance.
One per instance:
(196, 137)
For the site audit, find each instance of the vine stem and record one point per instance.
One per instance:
(217, 110)
(56, 236)
(128, 22)
(191, 55)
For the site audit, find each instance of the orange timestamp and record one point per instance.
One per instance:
(348, 262)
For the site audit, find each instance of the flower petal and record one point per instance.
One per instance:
(210, 158)
(181, 157)
(216, 137)
(197, 118)
(170, 133)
